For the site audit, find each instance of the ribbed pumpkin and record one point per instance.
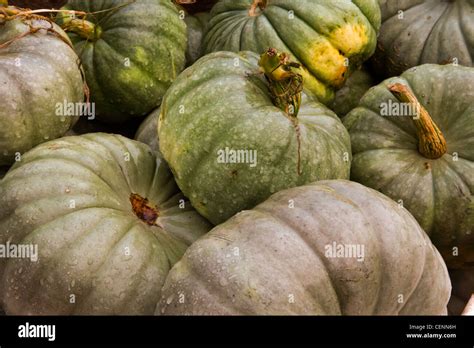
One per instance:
(108, 221)
(222, 105)
(348, 97)
(196, 25)
(131, 52)
(418, 148)
(148, 131)
(329, 38)
(284, 257)
(38, 72)
(416, 32)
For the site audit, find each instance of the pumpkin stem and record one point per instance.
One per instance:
(144, 210)
(84, 28)
(285, 87)
(284, 83)
(431, 142)
(257, 4)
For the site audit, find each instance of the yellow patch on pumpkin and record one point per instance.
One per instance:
(327, 62)
(351, 38)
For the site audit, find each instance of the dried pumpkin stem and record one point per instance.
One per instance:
(285, 86)
(431, 142)
(82, 27)
(257, 4)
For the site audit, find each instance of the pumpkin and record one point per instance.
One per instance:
(38, 72)
(329, 38)
(148, 131)
(462, 281)
(412, 139)
(416, 32)
(131, 52)
(108, 221)
(332, 247)
(230, 147)
(348, 97)
(196, 25)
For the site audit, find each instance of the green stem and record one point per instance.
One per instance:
(431, 142)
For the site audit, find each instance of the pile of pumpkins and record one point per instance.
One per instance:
(266, 157)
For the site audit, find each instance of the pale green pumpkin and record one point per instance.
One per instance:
(425, 164)
(283, 259)
(99, 250)
(39, 74)
(221, 105)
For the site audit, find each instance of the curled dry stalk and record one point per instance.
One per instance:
(431, 141)
(285, 86)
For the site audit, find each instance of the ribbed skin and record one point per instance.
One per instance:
(222, 101)
(150, 35)
(71, 197)
(320, 34)
(148, 131)
(274, 260)
(439, 193)
(37, 72)
(430, 31)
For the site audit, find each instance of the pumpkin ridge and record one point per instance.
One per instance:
(433, 29)
(104, 260)
(296, 228)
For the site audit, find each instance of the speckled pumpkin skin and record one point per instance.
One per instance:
(272, 259)
(151, 35)
(431, 31)
(222, 102)
(148, 131)
(36, 72)
(321, 35)
(71, 197)
(439, 193)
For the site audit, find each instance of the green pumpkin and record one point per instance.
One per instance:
(329, 38)
(416, 32)
(108, 221)
(349, 96)
(220, 106)
(130, 53)
(427, 163)
(148, 131)
(280, 260)
(196, 25)
(38, 73)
